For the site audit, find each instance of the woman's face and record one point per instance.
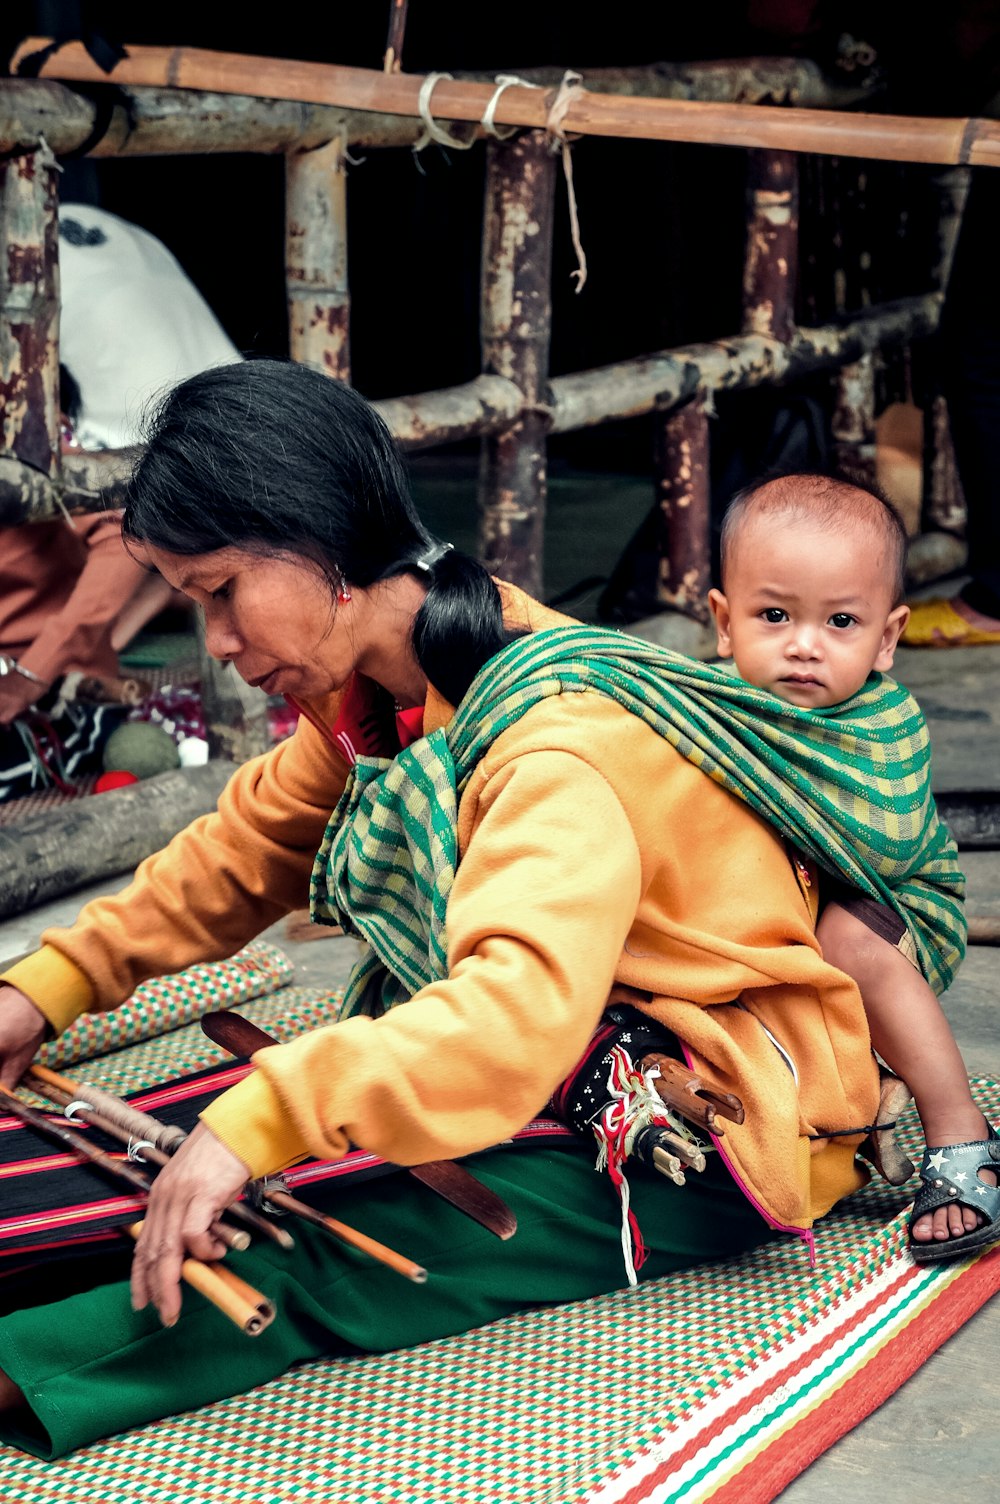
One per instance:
(275, 619)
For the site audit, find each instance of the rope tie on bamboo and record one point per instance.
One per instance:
(432, 131)
(503, 81)
(569, 90)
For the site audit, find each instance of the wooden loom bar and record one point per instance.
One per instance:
(898, 138)
(515, 323)
(316, 258)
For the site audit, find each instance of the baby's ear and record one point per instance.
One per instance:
(719, 607)
(895, 625)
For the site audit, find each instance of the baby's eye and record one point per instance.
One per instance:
(842, 619)
(222, 594)
(774, 614)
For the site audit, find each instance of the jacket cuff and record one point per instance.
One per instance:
(54, 983)
(251, 1120)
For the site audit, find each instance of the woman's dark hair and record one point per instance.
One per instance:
(278, 459)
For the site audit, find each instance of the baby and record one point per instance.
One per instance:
(812, 583)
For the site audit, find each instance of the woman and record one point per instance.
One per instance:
(588, 853)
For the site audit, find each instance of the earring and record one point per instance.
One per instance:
(345, 593)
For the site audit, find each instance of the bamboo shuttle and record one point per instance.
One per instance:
(246, 1307)
(359, 1240)
(898, 138)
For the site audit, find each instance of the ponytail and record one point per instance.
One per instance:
(460, 625)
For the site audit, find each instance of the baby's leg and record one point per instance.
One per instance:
(911, 1034)
(10, 1395)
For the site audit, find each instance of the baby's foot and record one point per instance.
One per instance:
(952, 1220)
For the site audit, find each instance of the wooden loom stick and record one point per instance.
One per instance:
(248, 1308)
(899, 138)
(79, 1145)
(127, 1116)
(129, 1123)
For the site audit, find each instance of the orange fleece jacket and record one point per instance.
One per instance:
(591, 853)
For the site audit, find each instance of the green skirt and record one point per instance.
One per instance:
(89, 1366)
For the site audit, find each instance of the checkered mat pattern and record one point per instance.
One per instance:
(719, 1384)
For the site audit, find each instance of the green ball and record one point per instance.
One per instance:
(141, 748)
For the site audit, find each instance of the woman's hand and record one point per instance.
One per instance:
(199, 1182)
(22, 1030)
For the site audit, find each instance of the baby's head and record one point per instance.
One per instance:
(813, 574)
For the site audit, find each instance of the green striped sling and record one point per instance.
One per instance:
(848, 786)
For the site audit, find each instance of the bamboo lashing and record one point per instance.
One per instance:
(248, 1308)
(279, 1199)
(127, 1129)
(961, 141)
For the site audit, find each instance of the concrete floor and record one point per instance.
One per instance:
(937, 1438)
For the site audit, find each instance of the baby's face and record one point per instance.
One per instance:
(807, 612)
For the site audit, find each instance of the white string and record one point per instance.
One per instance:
(570, 89)
(503, 81)
(135, 1145)
(74, 1107)
(433, 131)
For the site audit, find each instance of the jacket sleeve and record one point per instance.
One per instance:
(216, 885)
(543, 900)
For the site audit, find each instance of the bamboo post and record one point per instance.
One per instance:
(682, 465)
(944, 506)
(770, 268)
(235, 712)
(515, 324)
(316, 258)
(29, 311)
(853, 423)
(393, 60)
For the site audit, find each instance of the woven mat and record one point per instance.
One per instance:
(721, 1384)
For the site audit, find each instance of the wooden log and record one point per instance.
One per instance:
(485, 405)
(29, 311)
(629, 388)
(316, 258)
(852, 425)
(90, 839)
(682, 463)
(515, 322)
(896, 138)
(88, 482)
(770, 268)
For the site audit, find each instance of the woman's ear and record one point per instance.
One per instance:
(720, 610)
(895, 625)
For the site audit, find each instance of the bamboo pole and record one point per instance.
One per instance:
(897, 138)
(685, 511)
(852, 425)
(770, 268)
(149, 121)
(515, 323)
(316, 258)
(29, 313)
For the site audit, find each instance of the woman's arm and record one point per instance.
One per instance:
(543, 900)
